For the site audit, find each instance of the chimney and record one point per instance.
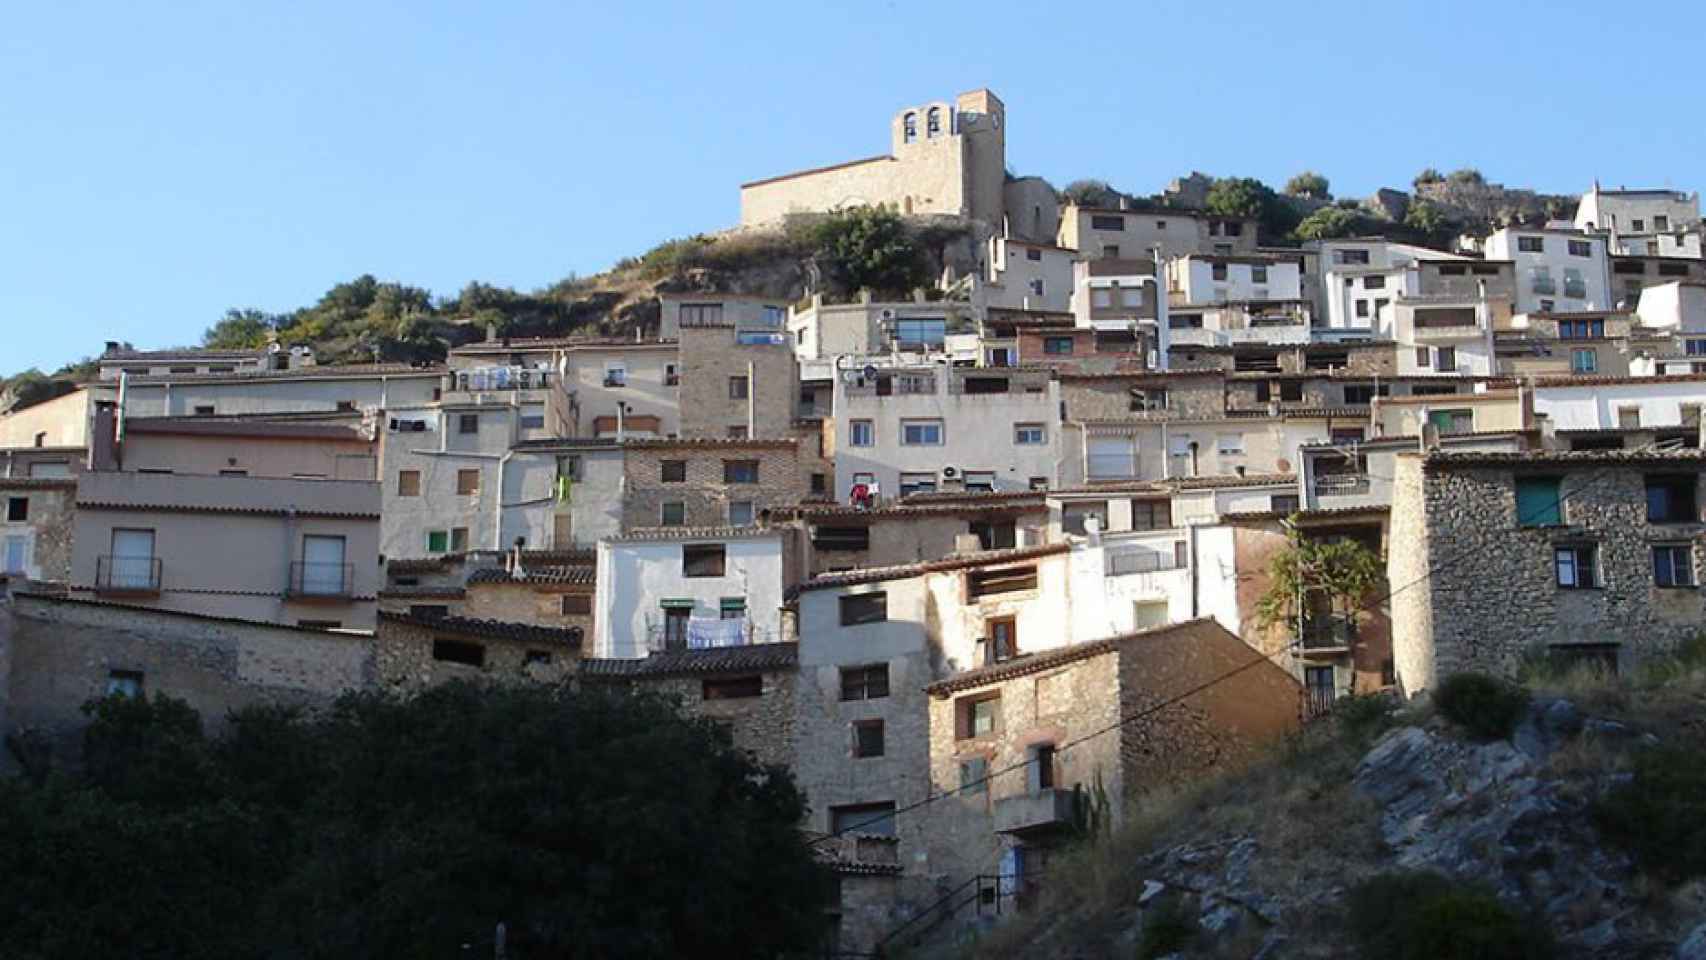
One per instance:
(103, 441)
(1125, 202)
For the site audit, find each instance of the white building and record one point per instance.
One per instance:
(1608, 403)
(562, 494)
(1557, 270)
(1361, 279)
(1211, 278)
(923, 428)
(1019, 275)
(1444, 336)
(1652, 223)
(823, 332)
(683, 588)
(1121, 299)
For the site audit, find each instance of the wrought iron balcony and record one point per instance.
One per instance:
(320, 581)
(127, 576)
(1341, 484)
(1329, 633)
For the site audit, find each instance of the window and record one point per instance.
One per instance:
(672, 514)
(979, 481)
(458, 539)
(467, 482)
(737, 433)
(986, 583)
(1258, 274)
(1581, 329)
(204, 410)
(533, 416)
(1057, 345)
(933, 122)
(1151, 515)
(458, 651)
(1036, 286)
(1673, 565)
(858, 608)
(695, 314)
(1131, 296)
(1217, 271)
(841, 538)
(50, 468)
(1230, 445)
(740, 513)
(15, 557)
(1628, 417)
(1671, 499)
(1584, 360)
(1637, 226)
(978, 716)
(1446, 359)
(124, 683)
(974, 775)
(1374, 282)
(994, 534)
(615, 375)
(408, 483)
(1546, 306)
(1661, 223)
(876, 819)
(926, 331)
(672, 471)
(1001, 640)
(1531, 244)
(703, 559)
(737, 388)
(820, 483)
(1107, 223)
(1362, 308)
(41, 439)
(869, 682)
(1040, 774)
(740, 471)
(1581, 248)
(1574, 285)
(1424, 358)
(1361, 394)
(861, 433)
(733, 688)
(539, 658)
(909, 128)
(1033, 253)
(731, 608)
(576, 604)
(921, 433)
(17, 509)
(323, 570)
(1026, 434)
(1673, 269)
(1575, 566)
(427, 611)
(1351, 257)
(868, 738)
(1278, 503)
(438, 541)
(1538, 502)
(671, 376)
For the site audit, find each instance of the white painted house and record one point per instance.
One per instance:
(1558, 270)
(1608, 403)
(1019, 275)
(1210, 278)
(687, 588)
(1650, 223)
(1362, 279)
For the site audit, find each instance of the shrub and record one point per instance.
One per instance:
(1486, 707)
(1167, 928)
(1426, 916)
(1364, 714)
(1659, 814)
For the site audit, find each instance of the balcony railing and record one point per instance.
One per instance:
(1577, 290)
(130, 576)
(480, 379)
(320, 581)
(1329, 633)
(706, 633)
(1341, 484)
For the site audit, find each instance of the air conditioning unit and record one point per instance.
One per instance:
(888, 313)
(949, 473)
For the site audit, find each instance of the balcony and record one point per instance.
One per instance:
(1341, 484)
(492, 379)
(127, 576)
(326, 582)
(1575, 289)
(1047, 809)
(705, 633)
(1329, 634)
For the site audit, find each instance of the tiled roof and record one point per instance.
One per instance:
(422, 564)
(743, 659)
(190, 353)
(1130, 374)
(717, 442)
(1564, 381)
(972, 497)
(257, 511)
(563, 443)
(1634, 456)
(807, 173)
(837, 511)
(214, 618)
(336, 372)
(1345, 411)
(1244, 516)
(1048, 659)
(983, 558)
(1230, 480)
(542, 574)
(495, 629)
(695, 533)
(38, 483)
(445, 592)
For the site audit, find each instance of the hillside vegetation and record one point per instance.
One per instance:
(1565, 817)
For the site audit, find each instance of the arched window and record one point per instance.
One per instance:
(910, 127)
(933, 123)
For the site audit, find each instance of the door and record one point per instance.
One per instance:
(132, 561)
(323, 571)
(16, 553)
(1321, 689)
(675, 627)
(1003, 639)
(562, 531)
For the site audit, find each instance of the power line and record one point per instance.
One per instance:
(1522, 520)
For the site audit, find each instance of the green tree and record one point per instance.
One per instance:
(870, 248)
(1329, 223)
(1309, 184)
(240, 330)
(1467, 176)
(1312, 575)
(1238, 197)
(1090, 193)
(1425, 217)
(1427, 176)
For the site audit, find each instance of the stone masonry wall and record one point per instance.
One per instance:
(1188, 398)
(404, 662)
(762, 726)
(524, 602)
(709, 357)
(704, 493)
(1409, 556)
(1494, 590)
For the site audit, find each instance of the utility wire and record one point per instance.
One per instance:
(1522, 520)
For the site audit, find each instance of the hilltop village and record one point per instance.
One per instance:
(961, 558)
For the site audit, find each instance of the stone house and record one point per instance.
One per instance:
(738, 375)
(1022, 750)
(707, 482)
(38, 493)
(1495, 557)
(921, 528)
(412, 653)
(547, 588)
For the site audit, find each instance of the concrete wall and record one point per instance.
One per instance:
(530, 507)
(316, 392)
(648, 391)
(257, 456)
(1553, 261)
(1597, 406)
(60, 422)
(438, 455)
(403, 659)
(1013, 277)
(635, 575)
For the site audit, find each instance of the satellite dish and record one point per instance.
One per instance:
(950, 472)
(870, 372)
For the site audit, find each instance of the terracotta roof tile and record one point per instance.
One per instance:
(847, 578)
(495, 629)
(1048, 659)
(694, 533)
(543, 574)
(743, 659)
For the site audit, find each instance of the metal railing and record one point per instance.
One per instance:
(320, 580)
(1141, 561)
(1318, 702)
(662, 638)
(1329, 633)
(991, 894)
(1341, 483)
(115, 574)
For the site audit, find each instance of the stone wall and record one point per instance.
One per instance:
(1409, 556)
(404, 660)
(762, 726)
(710, 356)
(1109, 398)
(1493, 591)
(526, 601)
(51, 518)
(705, 496)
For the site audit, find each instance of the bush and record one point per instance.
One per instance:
(1486, 707)
(1426, 916)
(1363, 715)
(1659, 815)
(1167, 928)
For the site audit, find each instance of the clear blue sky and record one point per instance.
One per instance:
(162, 162)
